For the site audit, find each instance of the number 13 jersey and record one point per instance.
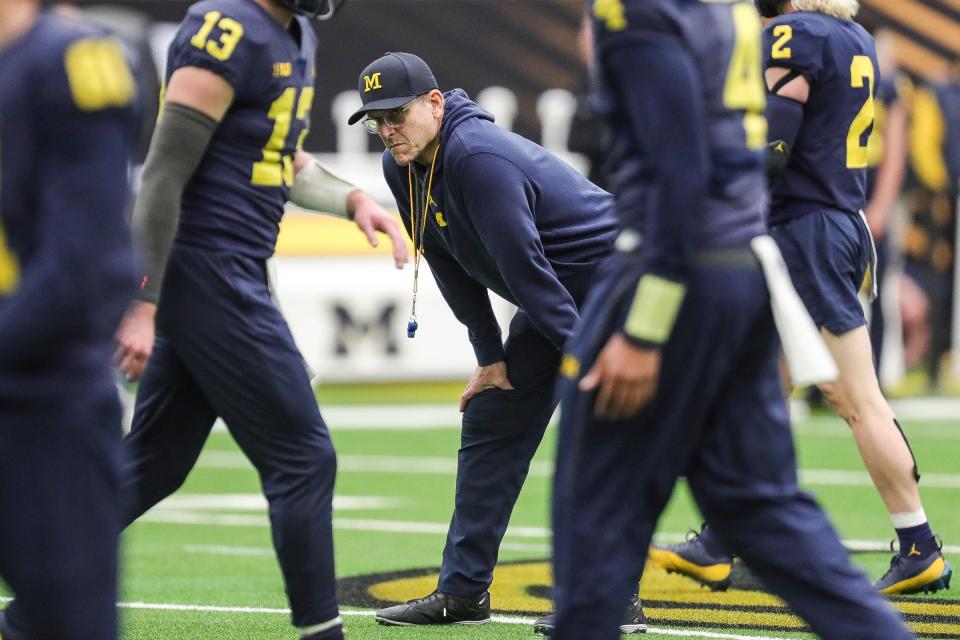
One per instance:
(235, 199)
(828, 163)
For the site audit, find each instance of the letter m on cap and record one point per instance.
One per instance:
(371, 82)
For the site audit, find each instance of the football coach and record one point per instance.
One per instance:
(490, 211)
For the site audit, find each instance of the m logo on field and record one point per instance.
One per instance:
(371, 82)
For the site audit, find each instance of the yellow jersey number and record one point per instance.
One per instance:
(231, 32)
(276, 168)
(861, 74)
(744, 89)
(9, 266)
(780, 50)
(98, 74)
(612, 13)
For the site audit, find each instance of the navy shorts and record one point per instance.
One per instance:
(828, 254)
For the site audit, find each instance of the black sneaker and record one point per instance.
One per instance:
(438, 608)
(633, 621)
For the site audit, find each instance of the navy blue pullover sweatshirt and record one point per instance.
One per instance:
(508, 216)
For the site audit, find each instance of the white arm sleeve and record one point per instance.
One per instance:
(316, 189)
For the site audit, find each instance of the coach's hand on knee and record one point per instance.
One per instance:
(625, 378)
(135, 339)
(492, 376)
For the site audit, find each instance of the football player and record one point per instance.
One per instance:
(674, 370)
(821, 75)
(225, 157)
(66, 274)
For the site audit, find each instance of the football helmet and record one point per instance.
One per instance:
(770, 8)
(316, 9)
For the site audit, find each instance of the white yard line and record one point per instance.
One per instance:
(446, 415)
(164, 516)
(425, 465)
(927, 408)
(222, 550)
(367, 613)
(832, 427)
(256, 502)
(841, 478)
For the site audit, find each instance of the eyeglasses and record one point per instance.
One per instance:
(393, 118)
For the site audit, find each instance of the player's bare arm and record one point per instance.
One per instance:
(192, 93)
(316, 189)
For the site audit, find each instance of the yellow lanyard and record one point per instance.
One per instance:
(416, 235)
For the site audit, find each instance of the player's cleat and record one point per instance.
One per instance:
(633, 621)
(912, 574)
(438, 608)
(691, 559)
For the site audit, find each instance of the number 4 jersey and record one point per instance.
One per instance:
(828, 163)
(723, 39)
(235, 200)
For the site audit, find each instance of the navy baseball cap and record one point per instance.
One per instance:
(392, 81)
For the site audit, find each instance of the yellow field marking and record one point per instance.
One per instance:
(930, 608)
(673, 599)
(724, 618)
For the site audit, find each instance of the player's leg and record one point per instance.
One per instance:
(501, 431)
(856, 395)
(245, 361)
(744, 480)
(614, 478)
(828, 254)
(603, 519)
(59, 541)
(857, 398)
(171, 421)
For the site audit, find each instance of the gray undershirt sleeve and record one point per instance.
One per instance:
(178, 145)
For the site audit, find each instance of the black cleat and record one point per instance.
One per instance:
(438, 608)
(633, 621)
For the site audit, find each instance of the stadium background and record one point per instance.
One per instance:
(200, 565)
(521, 60)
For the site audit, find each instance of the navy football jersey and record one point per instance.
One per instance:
(723, 40)
(235, 199)
(66, 258)
(887, 95)
(829, 160)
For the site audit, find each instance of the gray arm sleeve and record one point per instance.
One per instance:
(178, 145)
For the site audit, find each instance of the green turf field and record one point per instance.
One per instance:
(201, 566)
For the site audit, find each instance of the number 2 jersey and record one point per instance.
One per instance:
(234, 202)
(828, 162)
